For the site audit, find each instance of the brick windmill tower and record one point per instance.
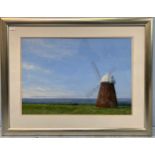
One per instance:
(106, 97)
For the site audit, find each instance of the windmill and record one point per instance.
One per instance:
(106, 97)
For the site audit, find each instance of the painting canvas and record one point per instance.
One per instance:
(76, 76)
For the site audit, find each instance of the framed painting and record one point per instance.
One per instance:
(76, 76)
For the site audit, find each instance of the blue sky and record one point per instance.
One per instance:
(62, 68)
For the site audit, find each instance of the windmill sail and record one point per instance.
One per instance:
(92, 92)
(96, 70)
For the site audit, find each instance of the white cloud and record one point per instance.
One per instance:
(27, 66)
(32, 67)
(56, 49)
(42, 92)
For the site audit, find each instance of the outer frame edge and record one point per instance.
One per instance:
(3, 42)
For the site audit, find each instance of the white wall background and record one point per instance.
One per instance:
(153, 78)
(79, 8)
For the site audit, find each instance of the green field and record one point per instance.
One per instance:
(73, 109)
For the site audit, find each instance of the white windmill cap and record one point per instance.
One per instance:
(107, 78)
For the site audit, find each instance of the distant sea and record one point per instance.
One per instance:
(121, 101)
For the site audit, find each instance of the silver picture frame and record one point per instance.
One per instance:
(5, 23)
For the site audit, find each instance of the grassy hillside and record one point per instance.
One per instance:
(73, 109)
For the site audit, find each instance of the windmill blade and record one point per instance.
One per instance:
(89, 94)
(112, 70)
(96, 70)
